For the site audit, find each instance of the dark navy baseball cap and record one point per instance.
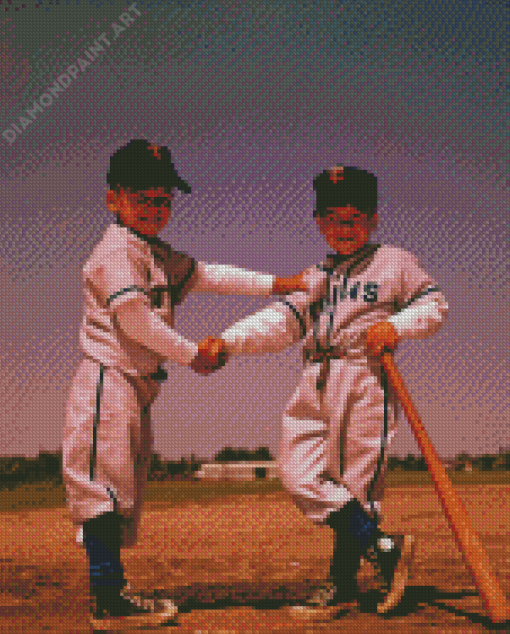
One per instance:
(341, 185)
(140, 165)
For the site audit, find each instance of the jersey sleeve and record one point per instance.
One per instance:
(278, 325)
(421, 306)
(121, 277)
(225, 279)
(138, 322)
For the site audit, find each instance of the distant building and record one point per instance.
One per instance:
(267, 470)
(451, 464)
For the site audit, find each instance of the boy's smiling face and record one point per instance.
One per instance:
(146, 211)
(345, 228)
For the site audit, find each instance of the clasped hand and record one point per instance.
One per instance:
(212, 355)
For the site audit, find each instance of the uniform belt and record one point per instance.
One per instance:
(324, 354)
(160, 375)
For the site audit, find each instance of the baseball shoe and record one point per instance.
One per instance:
(328, 599)
(127, 610)
(393, 557)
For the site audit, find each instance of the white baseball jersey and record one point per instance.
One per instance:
(131, 285)
(341, 420)
(124, 266)
(379, 283)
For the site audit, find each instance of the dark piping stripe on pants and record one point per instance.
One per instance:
(97, 415)
(380, 459)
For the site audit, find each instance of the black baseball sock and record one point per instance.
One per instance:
(354, 531)
(102, 537)
(354, 521)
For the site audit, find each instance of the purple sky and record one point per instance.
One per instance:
(253, 103)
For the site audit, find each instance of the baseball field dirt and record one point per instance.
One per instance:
(234, 564)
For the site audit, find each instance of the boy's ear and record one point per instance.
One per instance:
(111, 200)
(320, 223)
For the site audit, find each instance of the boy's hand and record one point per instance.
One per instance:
(212, 354)
(287, 285)
(381, 337)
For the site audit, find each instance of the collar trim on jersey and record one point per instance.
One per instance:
(358, 256)
(338, 258)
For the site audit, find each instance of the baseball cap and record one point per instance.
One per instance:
(141, 165)
(339, 186)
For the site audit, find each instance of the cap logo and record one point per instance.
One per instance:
(336, 174)
(156, 149)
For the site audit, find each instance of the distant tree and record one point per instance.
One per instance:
(194, 465)
(157, 467)
(502, 461)
(17, 470)
(12, 471)
(262, 454)
(227, 454)
(413, 463)
(421, 464)
(172, 468)
(241, 454)
(463, 461)
(183, 467)
(485, 462)
(48, 466)
(394, 463)
(409, 462)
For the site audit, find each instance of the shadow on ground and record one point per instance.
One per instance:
(267, 596)
(418, 597)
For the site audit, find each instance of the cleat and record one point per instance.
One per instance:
(329, 598)
(392, 556)
(127, 610)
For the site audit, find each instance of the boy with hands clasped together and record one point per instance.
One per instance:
(132, 283)
(339, 424)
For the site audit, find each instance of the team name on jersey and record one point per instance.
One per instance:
(355, 292)
(367, 292)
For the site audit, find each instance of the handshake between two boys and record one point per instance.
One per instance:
(212, 351)
(212, 355)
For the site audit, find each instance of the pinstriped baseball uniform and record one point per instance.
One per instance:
(108, 439)
(341, 420)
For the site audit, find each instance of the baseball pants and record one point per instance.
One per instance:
(107, 445)
(335, 440)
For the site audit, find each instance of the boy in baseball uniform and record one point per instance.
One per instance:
(340, 423)
(132, 283)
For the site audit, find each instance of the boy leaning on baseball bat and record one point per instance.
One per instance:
(338, 426)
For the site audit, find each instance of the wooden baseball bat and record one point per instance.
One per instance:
(467, 540)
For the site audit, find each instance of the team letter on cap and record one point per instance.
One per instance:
(156, 150)
(336, 173)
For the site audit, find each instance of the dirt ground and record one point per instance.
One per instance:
(234, 564)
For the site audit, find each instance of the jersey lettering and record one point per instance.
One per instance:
(157, 296)
(353, 292)
(370, 292)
